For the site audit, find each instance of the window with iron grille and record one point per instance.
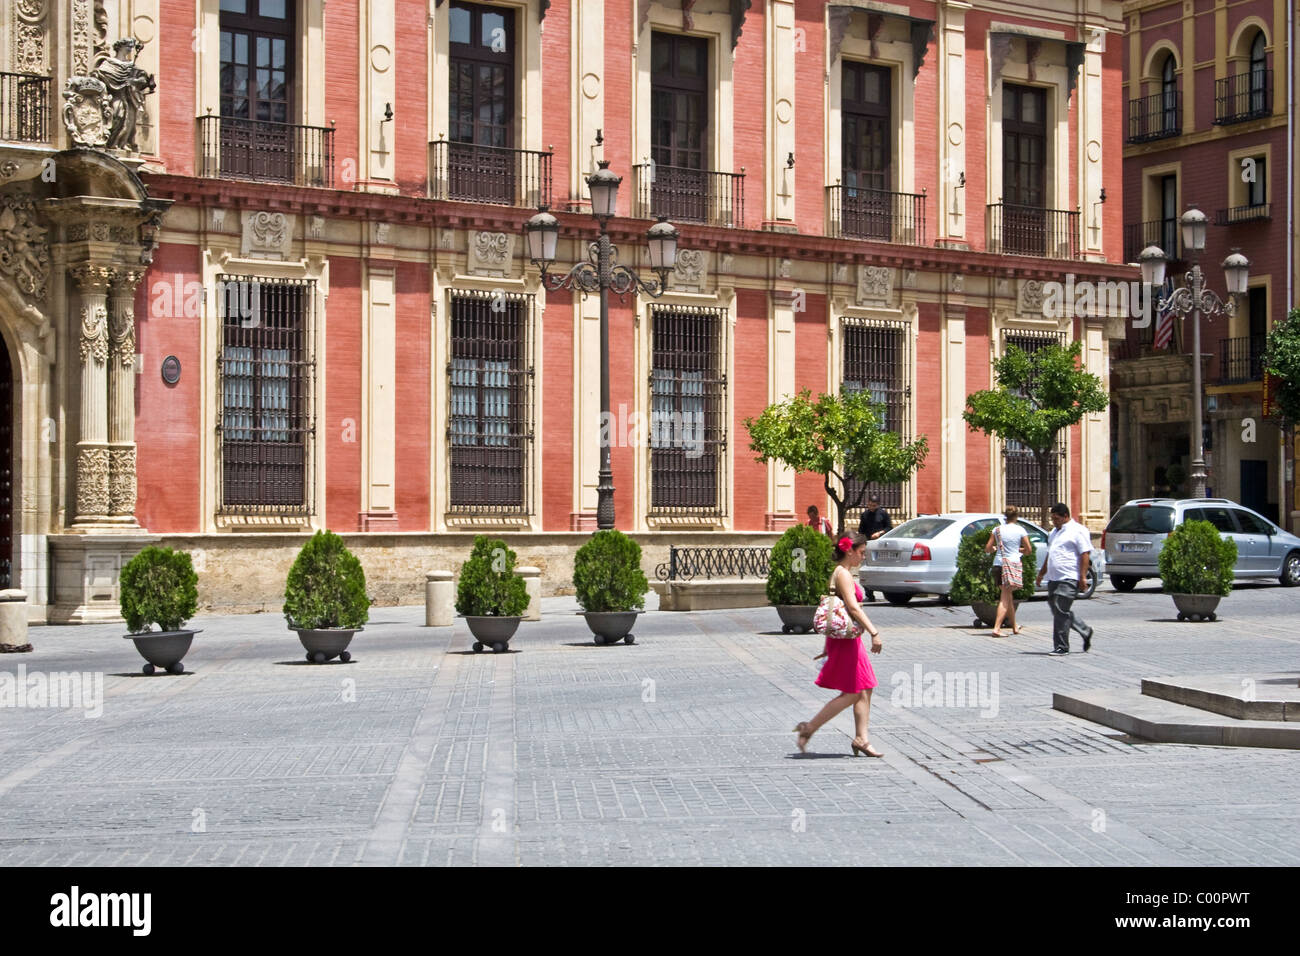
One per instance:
(1021, 469)
(265, 382)
(490, 423)
(876, 357)
(688, 427)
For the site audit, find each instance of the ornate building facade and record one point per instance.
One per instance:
(276, 279)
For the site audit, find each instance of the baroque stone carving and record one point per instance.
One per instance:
(94, 335)
(104, 105)
(267, 234)
(490, 253)
(691, 269)
(382, 230)
(1031, 297)
(24, 253)
(875, 284)
(92, 481)
(87, 111)
(121, 481)
(909, 278)
(82, 42)
(29, 37)
(316, 228)
(122, 335)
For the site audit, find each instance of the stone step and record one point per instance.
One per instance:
(1242, 696)
(1163, 721)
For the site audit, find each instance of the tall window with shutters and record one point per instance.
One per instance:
(1020, 468)
(876, 357)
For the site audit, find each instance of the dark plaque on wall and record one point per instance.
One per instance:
(171, 370)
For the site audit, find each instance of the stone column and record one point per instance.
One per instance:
(92, 502)
(121, 397)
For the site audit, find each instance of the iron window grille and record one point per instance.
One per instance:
(265, 377)
(876, 357)
(688, 422)
(1021, 469)
(490, 422)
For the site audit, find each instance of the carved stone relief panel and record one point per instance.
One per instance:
(267, 235)
(491, 253)
(691, 270)
(875, 284)
(24, 251)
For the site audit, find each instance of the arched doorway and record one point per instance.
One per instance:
(6, 466)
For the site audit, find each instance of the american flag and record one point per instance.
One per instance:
(1164, 335)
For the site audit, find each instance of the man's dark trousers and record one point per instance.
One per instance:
(1060, 595)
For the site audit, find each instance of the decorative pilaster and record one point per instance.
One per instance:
(121, 396)
(92, 446)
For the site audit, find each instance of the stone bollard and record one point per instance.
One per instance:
(533, 581)
(13, 622)
(439, 599)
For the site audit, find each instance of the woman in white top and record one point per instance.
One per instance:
(1009, 541)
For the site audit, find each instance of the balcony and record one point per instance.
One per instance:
(1235, 214)
(494, 175)
(1155, 117)
(1242, 97)
(1033, 231)
(24, 108)
(689, 195)
(266, 152)
(1156, 232)
(857, 213)
(1242, 360)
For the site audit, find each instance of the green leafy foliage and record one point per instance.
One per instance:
(159, 586)
(607, 573)
(974, 578)
(326, 586)
(1283, 363)
(801, 566)
(837, 437)
(488, 585)
(1036, 396)
(1196, 559)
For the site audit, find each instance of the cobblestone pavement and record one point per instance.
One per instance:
(675, 750)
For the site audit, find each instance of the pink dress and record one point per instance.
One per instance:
(847, 666)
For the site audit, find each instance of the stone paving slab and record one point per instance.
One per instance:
(1164, 721)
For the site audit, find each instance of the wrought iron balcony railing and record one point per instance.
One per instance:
(1242, 360)
(24, 108)
(1155, 116)
(1243, 96)
(684, 564)
(265, 152)
(466, 172)
(689, 195)
(1235, 214)
(1164, 233)
(1033, 231)
(857, 213)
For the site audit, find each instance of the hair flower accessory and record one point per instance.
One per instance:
(845, 544)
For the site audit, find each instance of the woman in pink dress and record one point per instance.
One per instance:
(847, 668)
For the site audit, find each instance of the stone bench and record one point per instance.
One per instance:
(711, 594)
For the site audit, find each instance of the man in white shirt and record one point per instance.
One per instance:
(1069, 551)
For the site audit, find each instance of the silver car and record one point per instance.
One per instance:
(1137, 532)
(920, 556)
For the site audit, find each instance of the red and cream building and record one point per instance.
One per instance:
(335, 325)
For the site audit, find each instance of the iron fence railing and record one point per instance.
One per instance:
(1164, 233)
(689, 195)
(466, 172)
(1248, 213)
(1033, 231)
(1242, 359)
(1243, 96)
(24, 107)
(1155, 116)
(857, 213)
(685, 564)
(265, 152)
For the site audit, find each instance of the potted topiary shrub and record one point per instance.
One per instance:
(973, 582)
(490, 595)
(798, 574)
(159, 586)
(610, 585)
(1196, 566)
(325, 598)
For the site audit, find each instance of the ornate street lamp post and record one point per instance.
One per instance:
(601, 273)
(1193, 298)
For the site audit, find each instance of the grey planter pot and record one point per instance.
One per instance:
(796, 617)
(326, 643)
(986, 615)
(493, 632)
(1196, 607)
(165, 649)
(610, 627)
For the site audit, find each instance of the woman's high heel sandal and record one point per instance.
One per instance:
(805, 735)
(867, 751)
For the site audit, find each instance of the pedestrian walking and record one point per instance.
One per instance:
(847, 668)
(1069, 551)
(875, 522)
(1008, 542)
(821, 524)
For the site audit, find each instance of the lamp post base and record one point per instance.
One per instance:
(605, 500)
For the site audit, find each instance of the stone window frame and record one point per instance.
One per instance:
(217, 264)
(1239, 191)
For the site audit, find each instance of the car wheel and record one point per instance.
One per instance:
(946, 600)
(897, 597)
(1123, 582)
(1291, 570)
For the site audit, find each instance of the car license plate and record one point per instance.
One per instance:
(1135, 546)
